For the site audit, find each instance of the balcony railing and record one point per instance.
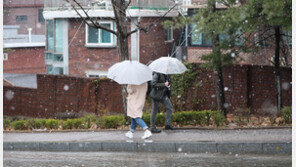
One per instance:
(106, 4)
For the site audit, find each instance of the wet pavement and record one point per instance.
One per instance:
(128, 159)
(246, 135)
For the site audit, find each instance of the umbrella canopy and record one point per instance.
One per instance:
(129, 72)
(167, 65)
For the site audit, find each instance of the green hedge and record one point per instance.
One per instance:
(194, 118)
(52, 124)
(19, 125)
(6, 123)
(113, 121)
(286, 113)
(35, 123)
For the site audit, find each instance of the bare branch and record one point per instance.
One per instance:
(146, 29)
(290, 36)
(256, 43)
(93, 24)
(127, 5)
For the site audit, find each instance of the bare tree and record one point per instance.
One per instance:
(122, 33)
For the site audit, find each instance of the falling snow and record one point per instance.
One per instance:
(66, 87)
(9, 95)
(285, 86)
(226, 105)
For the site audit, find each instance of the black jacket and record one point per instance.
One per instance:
(158, 84)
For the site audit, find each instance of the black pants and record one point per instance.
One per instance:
(155, 107)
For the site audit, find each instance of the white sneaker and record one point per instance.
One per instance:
(129, 134)
(147, 134)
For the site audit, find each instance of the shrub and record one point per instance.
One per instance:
(51, 124)
(107, 122)
(146, 118)
(160, 119)
(6, 123)
(178, 118)
(30, 123)
(189, 117)
(286, 113)
(99, 122)
(19, 125)
(90, 120)
(198, 117)
(112, 121)
(79, 123)
(39, 123)
(219, 118)
(68, 124)
(203, 117)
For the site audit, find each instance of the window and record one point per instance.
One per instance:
(54, 46)
(5, 56)
(49, 33)
(54, 57)
(99, 37)
(21, 18)
(198, 39)
(40, 15)
(54, 70)
(58, 32)
(169, 34)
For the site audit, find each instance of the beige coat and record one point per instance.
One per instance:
(136, 100)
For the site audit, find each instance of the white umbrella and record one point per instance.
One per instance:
(129, 72)
(167, 65)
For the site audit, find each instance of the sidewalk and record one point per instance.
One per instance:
(261, 141)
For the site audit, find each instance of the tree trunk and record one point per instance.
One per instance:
(122, 39)
(123, 48)
(277, 69)
(217, 62)
(220, 90)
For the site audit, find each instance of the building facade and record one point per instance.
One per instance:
(74, 48)
(23, 37)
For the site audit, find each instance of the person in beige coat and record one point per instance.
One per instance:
(135, 104)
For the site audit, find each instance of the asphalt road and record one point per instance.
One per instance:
(128, 159)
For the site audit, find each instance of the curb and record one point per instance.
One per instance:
(182, 128)
(151, 146)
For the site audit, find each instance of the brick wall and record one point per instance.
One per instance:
(58, 95)
(245, 87)
(194, 53)
(25, 60)
(81, 58)
(20, 101)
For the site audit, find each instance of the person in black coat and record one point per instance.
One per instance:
(161, 93)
